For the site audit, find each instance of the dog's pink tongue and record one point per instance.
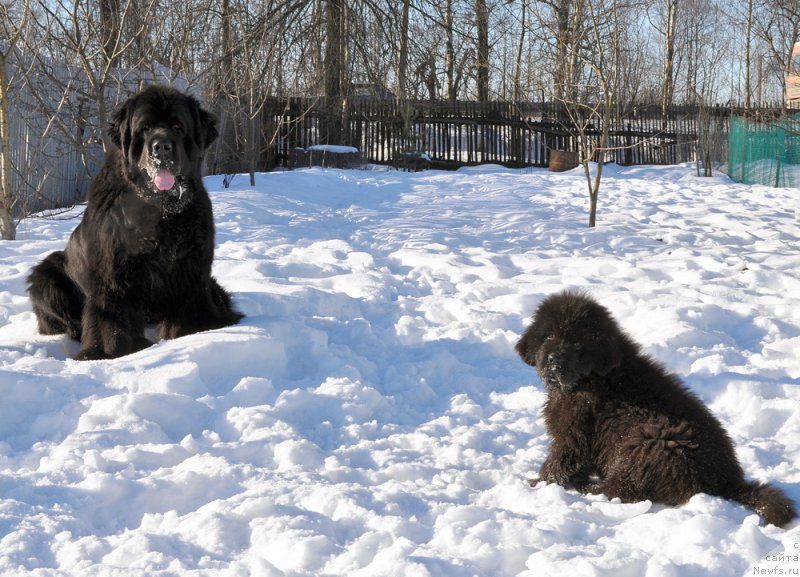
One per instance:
(164, 179)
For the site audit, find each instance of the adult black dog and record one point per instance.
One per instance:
(142, 253)
(621, 424)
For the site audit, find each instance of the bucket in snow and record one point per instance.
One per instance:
(561, 160)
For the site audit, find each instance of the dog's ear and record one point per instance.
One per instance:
(118, 128)
(527, 347)
(606, 341)
(207, 128)
(608, 355)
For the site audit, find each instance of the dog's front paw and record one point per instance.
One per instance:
(91, 354)
(138, 343)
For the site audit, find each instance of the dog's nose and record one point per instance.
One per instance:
(162, 148)
(555, 359)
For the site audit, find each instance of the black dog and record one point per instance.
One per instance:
(142, 253)
(621, 424)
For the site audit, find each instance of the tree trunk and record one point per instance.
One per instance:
(667, 91)
(226, 68)
(562, 44)
(515, 96)
(110, 30)
(449, 52)
(747, 91)
(402, 59)
(482, 60)
(334, 73)
(8, 199)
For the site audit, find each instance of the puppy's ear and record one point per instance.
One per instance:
(609, 357)
(527, 347)
(207, 128)
(606, 342)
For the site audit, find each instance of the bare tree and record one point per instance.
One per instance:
(748, 38)
(708, 52)
(565, 26)
(636, 83)
(402, 59)
(334, 71)
(247, 65)
(777, 24)
(459, 44)
(109, 30)
(669, 29)
(226, 69)
(12, 24)
(516, 93)
(93, 44)
(450, 56)
(593, 59)
(482, 52)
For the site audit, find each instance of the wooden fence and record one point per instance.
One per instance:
(461, 133)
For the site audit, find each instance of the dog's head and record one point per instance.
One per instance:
(162, 135)
(571, 337)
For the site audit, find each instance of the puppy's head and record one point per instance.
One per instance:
(571, 337)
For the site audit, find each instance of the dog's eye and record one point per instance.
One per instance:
(177, 127)
(145, 128)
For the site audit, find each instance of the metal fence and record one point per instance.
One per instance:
(766, 151)
(55, 137)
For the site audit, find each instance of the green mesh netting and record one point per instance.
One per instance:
(765, 152)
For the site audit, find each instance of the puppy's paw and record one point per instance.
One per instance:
(553, 472)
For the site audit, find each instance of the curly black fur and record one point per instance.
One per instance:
(141, 255)
(621, 424)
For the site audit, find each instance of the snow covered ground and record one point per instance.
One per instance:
(370, 418)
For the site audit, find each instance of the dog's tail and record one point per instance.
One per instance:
(768, 501)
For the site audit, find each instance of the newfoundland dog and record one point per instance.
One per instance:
(142, 253)
(621, 424)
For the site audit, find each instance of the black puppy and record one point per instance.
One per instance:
(621, 424)
(142, 253)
